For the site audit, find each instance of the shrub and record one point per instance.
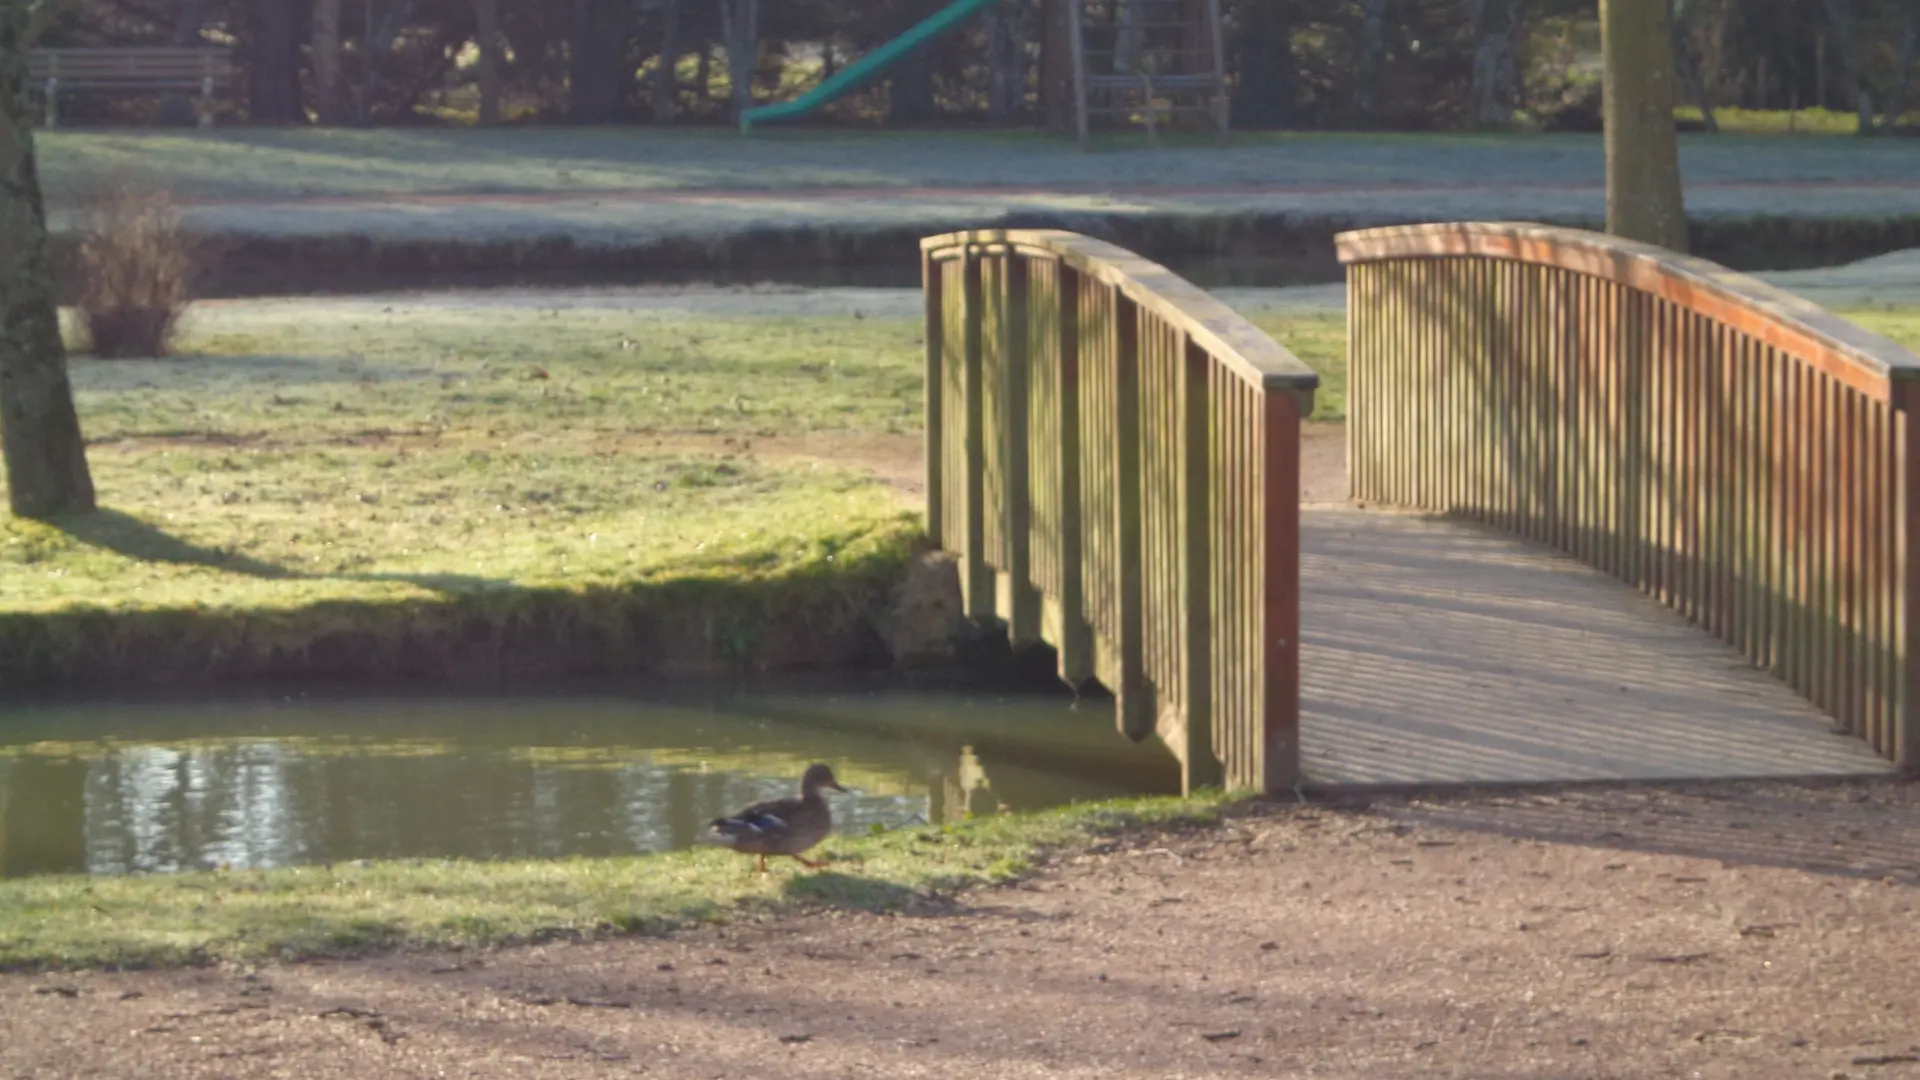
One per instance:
(135, 270)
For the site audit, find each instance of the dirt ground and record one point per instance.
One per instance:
(1753, 930)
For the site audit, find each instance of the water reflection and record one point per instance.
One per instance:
(123, 788)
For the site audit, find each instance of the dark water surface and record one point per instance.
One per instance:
(131, 787)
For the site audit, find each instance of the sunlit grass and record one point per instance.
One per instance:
(297, 453)
(71, 921)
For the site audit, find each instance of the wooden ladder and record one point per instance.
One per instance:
(1152, 59)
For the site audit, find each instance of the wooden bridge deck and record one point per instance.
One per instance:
(1439, 652)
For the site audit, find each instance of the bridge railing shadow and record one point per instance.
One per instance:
(1867, 831)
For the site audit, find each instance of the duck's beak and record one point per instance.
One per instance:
(838, 788)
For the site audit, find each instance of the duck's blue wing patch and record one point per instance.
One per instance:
(758, 822)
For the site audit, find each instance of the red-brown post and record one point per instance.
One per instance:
(1280, 585)
(1906, 401)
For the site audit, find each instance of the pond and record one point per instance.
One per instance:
(118, 787)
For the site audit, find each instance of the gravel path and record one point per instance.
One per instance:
(627, 186)
(1734, 931)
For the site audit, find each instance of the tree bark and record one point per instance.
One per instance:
(1130, 40)
(666, 80)
(328, 99)
(1262, 50)
(1004, 96)
(1854, 78)
(175, 107)
(741, 24)
(273, 64)
(1373, 58)
(1903, 81)
(1495, 26)
(598, 75)
(1689, 71)
(486, 17)
(1643, 151)
(1056, 65)
(45, 455)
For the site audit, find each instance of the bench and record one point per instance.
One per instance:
(162, 69)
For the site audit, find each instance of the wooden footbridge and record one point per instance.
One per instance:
(1616, 513)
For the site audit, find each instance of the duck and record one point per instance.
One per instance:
(786, 826)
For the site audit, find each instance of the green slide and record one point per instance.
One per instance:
(857, 73)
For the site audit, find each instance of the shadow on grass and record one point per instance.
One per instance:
(128, 536)
(848, 892)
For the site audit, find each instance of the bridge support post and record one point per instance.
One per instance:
(1280, 599)
(1199, 767)
(1075, 634)
(1013, 427)
(1906, 741)
(976, 574)
(1134, 693)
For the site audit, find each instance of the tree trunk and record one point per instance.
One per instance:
(328, 100)
(1903, 84)
(1002, 41)
(486, 17)
(176, 107)
(666, 80)
(1496, 26)
(45, 456)
(1688, 71)
(598, 74)
(273, 64)
(1130, 39)
(1373, 58)
(1854, 78)
(1643, 151)
(910, 98)
(1262, 49)
(1056, 65)
(741, 24)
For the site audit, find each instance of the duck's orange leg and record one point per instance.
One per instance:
(763, 864)
(808, 863)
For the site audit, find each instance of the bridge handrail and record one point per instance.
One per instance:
(1744, 456)
(1114, 456)
(1858, 357)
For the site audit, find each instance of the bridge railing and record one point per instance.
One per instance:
(1744, 456)
(1114, 456)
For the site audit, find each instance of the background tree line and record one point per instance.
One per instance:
(1391, 64)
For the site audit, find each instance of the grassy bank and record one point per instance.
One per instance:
(66, 922)
(325, 491)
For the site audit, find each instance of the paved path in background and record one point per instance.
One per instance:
(639, 217)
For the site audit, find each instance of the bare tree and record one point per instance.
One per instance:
(486, 33)
(741, 19)
(1497, 26)
(1686, 68)
(1373, 57)
(666, 80)
(45, 455)
(329, 99)
(1854, 62)
(1643, 152)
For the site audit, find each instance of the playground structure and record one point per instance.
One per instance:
(1155, 61)
(1114, 457)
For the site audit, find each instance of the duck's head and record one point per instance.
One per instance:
(818, 776)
